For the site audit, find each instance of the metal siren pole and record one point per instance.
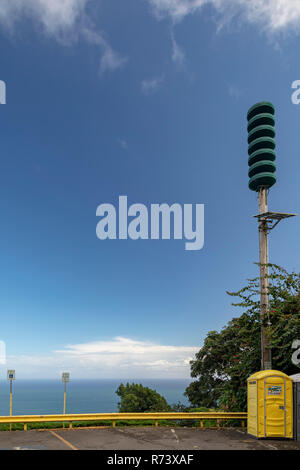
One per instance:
(261, 151)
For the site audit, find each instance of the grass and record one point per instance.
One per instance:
(85, 424)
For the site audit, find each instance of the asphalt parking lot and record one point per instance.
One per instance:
(164, 438)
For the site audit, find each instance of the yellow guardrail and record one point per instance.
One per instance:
(114, 417)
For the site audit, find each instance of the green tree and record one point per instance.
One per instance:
(139, 399)
(228, 357)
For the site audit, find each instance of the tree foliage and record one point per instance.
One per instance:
(228, 357)
(140, 399)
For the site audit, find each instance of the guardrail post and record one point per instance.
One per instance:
(201, 423)
(156, 423)
(25, 426)
(114, 424)
(243, 423)
(71, 425)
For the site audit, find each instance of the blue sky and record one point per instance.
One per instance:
(146, 99)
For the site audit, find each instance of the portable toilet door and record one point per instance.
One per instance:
(274, 404)
(278, 406)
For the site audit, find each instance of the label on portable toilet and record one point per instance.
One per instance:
(275, 390)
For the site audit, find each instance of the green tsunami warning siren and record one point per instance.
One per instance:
(261, 146)
(261, 161)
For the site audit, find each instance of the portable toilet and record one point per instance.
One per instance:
(270, 405)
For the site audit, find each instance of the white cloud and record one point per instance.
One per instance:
(178, 55)
(271, 15)
(64, 20)
(234, 91)
(116, 358)
(176, 9)
(151, 85)
(2, 353)
(53, 15)
(110, 59)
(123, 143)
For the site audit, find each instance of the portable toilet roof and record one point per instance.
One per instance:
(262, 374)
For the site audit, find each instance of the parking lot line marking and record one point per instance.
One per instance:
(266, 444)
(63, 440)
(175, 435)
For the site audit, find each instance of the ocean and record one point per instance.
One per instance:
(83, 396)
